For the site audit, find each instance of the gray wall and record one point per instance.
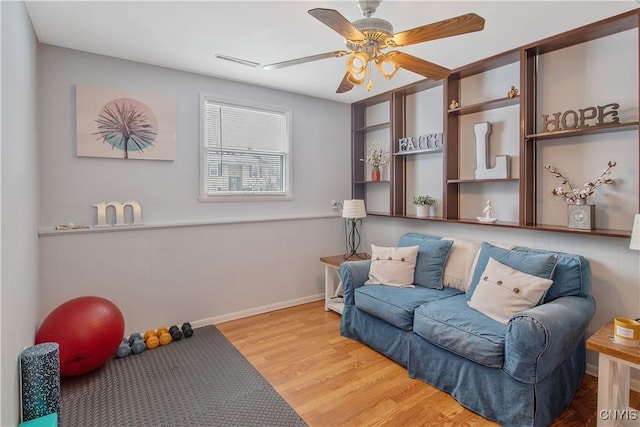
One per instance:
(194, 261)
(19, 201)
(168, 190)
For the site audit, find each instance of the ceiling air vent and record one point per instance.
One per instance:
(236, 60)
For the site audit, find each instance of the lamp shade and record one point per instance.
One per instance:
(353, 209)
(635, 234)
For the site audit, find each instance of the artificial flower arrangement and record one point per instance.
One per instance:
(580, 195)
(424, 200)
(376, 157)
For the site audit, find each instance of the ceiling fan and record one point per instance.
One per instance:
(367, 39)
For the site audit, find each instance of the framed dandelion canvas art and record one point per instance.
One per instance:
(116, 124)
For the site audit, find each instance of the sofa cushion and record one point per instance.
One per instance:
(396, 305)
(432, 257)
(504, 291)
(459, 266)
(537, 264)
(571, 277)
(393, 266)
(462, 330)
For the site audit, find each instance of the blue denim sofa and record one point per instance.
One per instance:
(521, 374)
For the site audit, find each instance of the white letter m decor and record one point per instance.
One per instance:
(136, 213)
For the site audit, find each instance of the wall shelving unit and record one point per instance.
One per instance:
(456, 183)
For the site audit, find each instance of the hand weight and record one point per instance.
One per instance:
(175, 332)
(187, 331)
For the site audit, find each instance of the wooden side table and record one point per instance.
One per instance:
(614, 369)
(333, 292)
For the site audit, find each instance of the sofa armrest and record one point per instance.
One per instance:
(540, 339)
(353, 274)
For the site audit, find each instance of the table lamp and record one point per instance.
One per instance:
(353, 210)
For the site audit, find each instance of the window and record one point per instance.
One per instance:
(245, 150)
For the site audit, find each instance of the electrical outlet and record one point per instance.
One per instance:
(334, 204)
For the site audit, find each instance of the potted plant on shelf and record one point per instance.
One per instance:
(423, 205)
(376, 158)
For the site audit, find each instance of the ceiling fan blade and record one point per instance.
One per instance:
(334, 54)
(345, 84)
(334, 20)
(449, 27)
(418, 66)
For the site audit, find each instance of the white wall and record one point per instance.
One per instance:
(615, 269)
(168, 275)
(19, 201)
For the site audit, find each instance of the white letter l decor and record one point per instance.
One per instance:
(501, 170)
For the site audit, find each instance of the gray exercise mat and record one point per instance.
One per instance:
(197, 381)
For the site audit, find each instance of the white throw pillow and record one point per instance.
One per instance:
(460, 262)
(393, 266)
(503, 291)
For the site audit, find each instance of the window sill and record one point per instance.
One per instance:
(245, 197)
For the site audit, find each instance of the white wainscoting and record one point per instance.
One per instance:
(173, 275)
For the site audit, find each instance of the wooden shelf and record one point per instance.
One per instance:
(614, 127)
(373, 128)
(373, 213)
(509, 224)
(423, 151)
(597, 232)
(372, 182)
(487, 105)
(430, 218)
(498, 223)
(478, 181)
(523, 188)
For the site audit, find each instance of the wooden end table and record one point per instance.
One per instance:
(333, 291)
(614, 365)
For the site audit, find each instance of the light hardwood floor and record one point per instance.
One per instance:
(334, 381)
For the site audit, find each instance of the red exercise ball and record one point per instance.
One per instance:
(88, 331)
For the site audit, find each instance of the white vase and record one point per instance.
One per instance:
(422, 211)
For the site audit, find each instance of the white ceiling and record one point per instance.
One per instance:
(185, 35)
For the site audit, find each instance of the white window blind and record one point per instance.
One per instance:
(245, 149)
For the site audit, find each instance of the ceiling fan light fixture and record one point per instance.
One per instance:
(356, 81)
(367, 39)
(387, 67)
(357, 63)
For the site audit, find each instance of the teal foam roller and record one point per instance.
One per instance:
(50, 420)
(40, 380)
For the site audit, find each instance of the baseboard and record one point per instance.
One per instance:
(256, 310)
(593, 371)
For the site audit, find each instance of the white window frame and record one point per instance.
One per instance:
(287, 194)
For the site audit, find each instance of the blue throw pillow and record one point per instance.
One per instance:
(540, 265)
(432, 257)
(572, 276)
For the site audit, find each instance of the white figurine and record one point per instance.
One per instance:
(488, 213)
(489, 210)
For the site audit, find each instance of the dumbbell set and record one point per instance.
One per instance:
(137, 343)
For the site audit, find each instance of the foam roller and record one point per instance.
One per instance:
(40, 380)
